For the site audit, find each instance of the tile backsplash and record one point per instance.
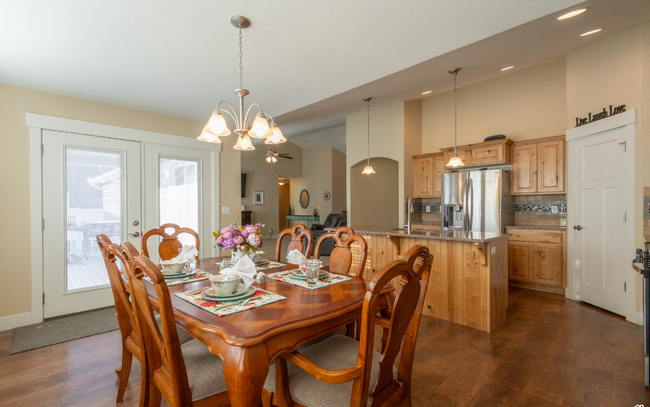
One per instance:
(540, 204)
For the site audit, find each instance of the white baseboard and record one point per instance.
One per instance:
(639, 318)
(15, 321)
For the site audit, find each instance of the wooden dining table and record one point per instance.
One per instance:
(248, 341)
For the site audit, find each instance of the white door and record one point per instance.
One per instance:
(179, 188)
(91, 185)
(601, 205)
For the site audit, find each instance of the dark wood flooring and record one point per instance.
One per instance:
(549, 352)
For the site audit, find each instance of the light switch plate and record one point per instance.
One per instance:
(225, 210)
(428, 208)
(493, 250)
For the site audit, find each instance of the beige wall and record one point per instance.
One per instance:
(339, 199)
(412, 140)
(263, 176)
(316, 179)
(615, 71)
(522, 105)
(15, 291)
(375, 199)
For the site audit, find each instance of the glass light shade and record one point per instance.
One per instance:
(268, 159)
(260, 127)
(244, 144)
(455, 161)
(368, 170)
(217, 124)
(275, 160)
(277, 136)
(208, 136)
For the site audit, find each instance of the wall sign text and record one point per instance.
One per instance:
(600, 115)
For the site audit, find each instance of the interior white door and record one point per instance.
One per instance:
(91, 185)
(180, 188)
(601, 205)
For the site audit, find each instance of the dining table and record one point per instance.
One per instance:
(248, 341)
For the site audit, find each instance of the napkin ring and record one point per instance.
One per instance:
(260, 278)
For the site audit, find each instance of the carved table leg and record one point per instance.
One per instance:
(245, 370)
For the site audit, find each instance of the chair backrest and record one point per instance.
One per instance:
(413, 270)
(119, 282)
(298, 232)
(164, 359)
(341, 256)
(168, 247)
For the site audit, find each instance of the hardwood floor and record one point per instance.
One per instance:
(548, 352)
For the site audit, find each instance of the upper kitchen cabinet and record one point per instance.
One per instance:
(427, 171)
(538, 166)
(486, 153)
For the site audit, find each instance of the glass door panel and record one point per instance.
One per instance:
(179, 194)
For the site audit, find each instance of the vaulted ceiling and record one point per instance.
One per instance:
(307, 62)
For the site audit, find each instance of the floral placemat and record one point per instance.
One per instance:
(270, 264)
(331, 279)
(200, 275)
(222, 308)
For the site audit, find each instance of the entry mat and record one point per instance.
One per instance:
(62, 330)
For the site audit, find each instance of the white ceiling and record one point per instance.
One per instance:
(309, 63)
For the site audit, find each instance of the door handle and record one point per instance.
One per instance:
(134, 234)
(577, 227)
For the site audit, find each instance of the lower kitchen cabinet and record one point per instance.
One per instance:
(536, 259)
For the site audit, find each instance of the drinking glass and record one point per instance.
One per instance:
(227, 264)
(312, 270)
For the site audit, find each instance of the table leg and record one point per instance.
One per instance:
(245, 370)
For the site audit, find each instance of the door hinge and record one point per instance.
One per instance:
(625, 216)
(198, 175)
(43, 298)
(42, 224)
(42, 149)
(624, 286)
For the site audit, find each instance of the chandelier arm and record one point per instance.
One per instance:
(246, 118)
(234, 117)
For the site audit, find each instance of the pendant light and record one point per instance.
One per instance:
(216, 125)
(368, 170)
(455, 161)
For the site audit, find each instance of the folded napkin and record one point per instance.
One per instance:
(187, 255)
(244, 268)
(295, 257)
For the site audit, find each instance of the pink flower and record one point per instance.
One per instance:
(238, 240)
(219, 240)
(254, 240)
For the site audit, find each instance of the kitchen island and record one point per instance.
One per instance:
(469, 273)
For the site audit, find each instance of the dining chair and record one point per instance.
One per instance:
(131, 341)
(364, 376)
(185, 374)
(298, 233)
(341, 255)
(169, 246)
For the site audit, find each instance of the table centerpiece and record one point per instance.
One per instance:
(239, 239)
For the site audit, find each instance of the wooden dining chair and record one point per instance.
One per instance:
(131, 341)
(369, 376)
(341, 255)
(298, 233)
(169, 246)
(187, 374)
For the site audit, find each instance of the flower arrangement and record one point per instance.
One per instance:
(239, 238)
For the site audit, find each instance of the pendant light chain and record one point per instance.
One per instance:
(241, 75)
(455, 114)
(368, 115)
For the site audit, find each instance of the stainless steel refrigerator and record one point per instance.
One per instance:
(477, 201)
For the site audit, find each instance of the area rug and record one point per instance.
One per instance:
(63, 330)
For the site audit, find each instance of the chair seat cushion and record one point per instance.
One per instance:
(183, 337)
(342, 330)
(337, 352)
(204, 370)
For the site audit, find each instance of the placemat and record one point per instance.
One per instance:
(200, 275)
(266, 266)
(222, 308)
(331, 279)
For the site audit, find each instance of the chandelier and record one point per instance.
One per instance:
(455, 161)
(216, 126)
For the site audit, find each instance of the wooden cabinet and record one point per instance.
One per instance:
(484, 154)
(427, 173)
(464, 153)
(537, 256)
(538, 166)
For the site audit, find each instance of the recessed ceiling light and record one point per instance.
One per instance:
(591, 32)
(572, 14)
(508, 67)
(427, 92)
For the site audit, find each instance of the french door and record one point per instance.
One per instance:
(91, 186)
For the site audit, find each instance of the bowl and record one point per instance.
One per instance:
(223, 285)
(171, 267)
(257, 256)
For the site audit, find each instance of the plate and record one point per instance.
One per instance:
(238, 295)
(259, 263)
(191, 272)
(299, 276)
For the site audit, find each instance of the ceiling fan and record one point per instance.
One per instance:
(272, 156)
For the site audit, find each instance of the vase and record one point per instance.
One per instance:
(237, 254)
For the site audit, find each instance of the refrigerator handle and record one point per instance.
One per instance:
(465, 206)
(470, 199)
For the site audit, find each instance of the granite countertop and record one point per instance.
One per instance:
(472, 237)
(537, 227)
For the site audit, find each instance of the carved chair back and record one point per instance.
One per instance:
(413, 270)
(298, 233)
(341, 256)
(164, 360)
(169, 246)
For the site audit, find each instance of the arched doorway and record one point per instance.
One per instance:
(374, 198)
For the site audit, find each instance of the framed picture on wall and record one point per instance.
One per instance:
(259, 197)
